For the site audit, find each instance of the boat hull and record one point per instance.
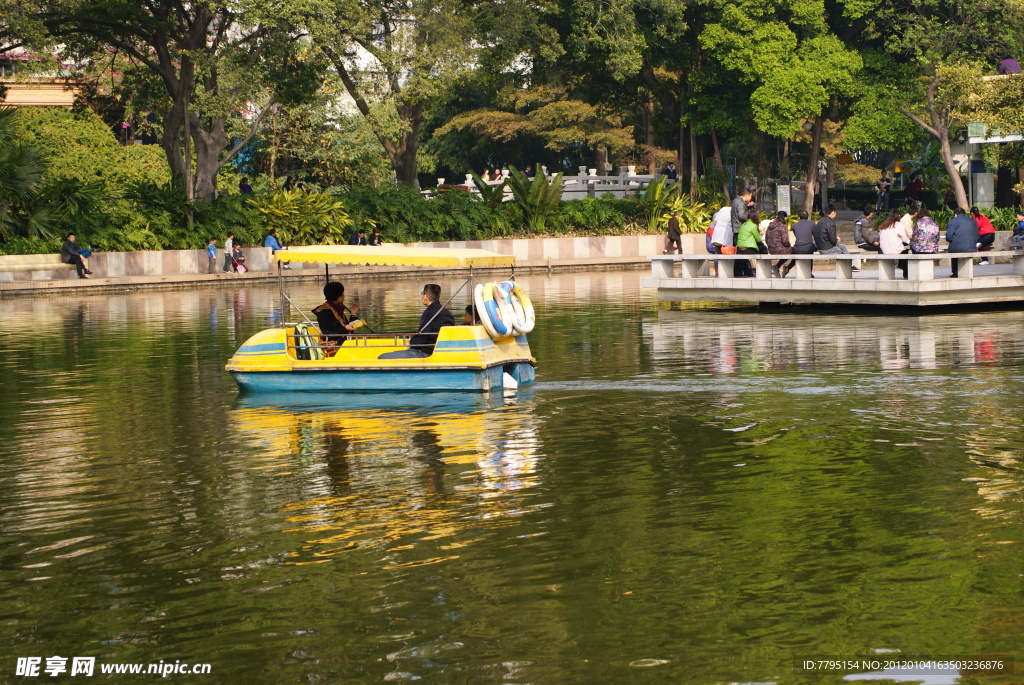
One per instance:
(464, 360)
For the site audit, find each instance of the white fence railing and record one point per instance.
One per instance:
(587, 183)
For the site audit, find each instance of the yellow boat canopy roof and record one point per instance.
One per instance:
(394, 256)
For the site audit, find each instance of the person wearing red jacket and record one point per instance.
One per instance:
(986, 233)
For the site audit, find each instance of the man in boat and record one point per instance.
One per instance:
(434, 317)
(333, 318)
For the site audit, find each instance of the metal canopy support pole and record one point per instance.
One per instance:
(280, 290)
(327, 273)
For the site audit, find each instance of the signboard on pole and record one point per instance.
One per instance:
(782, 198)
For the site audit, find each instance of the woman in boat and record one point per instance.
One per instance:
(334, 318)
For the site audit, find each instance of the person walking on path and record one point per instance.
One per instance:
(71, 253)
(672, 244)
(229, 249)
(925, 238)
(826, 237)
(882, 187)
(892, 238)
(211, 255)
(777, 240)
(986, 233)
(962, 235)
(914, 188)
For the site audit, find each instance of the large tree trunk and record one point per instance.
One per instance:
(720, 163)
(946, 153)
(402, 153)
(403, 157)
(812, 167)
(170, 141)
(209, 146)
(693, 165)
(939, 129)
(648, 122)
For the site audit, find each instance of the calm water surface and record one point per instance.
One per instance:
(686, 496)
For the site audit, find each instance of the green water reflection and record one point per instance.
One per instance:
(686, 496)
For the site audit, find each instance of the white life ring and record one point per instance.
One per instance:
(524, 317)
(494, 314)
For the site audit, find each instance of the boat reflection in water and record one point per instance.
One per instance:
(421, 474)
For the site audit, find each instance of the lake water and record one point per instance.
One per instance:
(686, 495)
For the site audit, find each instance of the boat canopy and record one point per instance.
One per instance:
(394, 256)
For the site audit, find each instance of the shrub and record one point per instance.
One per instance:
(304, 218)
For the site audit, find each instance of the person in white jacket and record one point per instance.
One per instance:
(893, 238)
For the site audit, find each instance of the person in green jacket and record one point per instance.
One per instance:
(748, 242)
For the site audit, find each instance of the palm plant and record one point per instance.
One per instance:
(21, 173)
(493, 196)
(693, 218)
(304, 218)
(537, 198)
(657, 199)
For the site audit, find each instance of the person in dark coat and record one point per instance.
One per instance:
(962, 234)
(826, 237)
(777, 240)
(434, 317)
(71, 253)
(803, 231)
(358, 238)
(333, 318)
(674, 235)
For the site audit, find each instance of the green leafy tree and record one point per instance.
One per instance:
(943, 43)
(790, 53)
(212, 62)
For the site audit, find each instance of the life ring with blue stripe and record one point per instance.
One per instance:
(523, 315)
(494, 314)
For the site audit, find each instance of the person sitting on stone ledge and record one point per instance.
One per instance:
(71, 253)
(826, 238)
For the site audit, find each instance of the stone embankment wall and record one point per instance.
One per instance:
(168, 266)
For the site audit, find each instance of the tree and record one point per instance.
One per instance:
(218, 65)
(944, 42)
(789, 52)
(565, 125)
(395, 58)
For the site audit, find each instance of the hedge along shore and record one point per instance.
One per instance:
(170, 269)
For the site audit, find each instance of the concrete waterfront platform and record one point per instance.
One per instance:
(879, 282)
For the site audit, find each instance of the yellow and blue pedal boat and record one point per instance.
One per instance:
(465, 358)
